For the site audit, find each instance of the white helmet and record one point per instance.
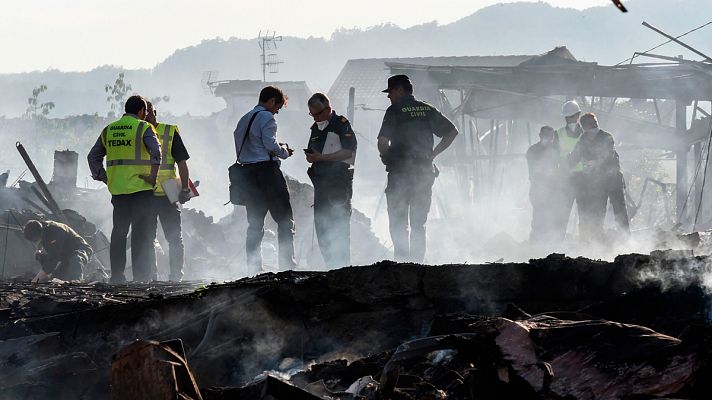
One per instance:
(570, 108)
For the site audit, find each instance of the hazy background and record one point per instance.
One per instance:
(164, 48)
(54, 39)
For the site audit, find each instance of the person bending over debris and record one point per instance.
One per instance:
(405, 143)
(174, 153)
(62, 253)
(601, 179)
(543, 162)
(257, 148)
(133, 157)
(331, 151)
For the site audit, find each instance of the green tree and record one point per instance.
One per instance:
(35, 109)
(156, 100)
(116, 95)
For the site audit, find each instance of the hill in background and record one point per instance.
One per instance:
(600, 34)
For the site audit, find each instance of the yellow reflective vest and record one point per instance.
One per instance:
(168, 164)
(567, 144)
(126, 155)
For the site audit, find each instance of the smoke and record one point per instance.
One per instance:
(481, 209)
(677, 271)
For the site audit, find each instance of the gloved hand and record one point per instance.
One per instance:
(40, 255)
(183, 196)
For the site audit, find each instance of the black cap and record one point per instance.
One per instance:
(397, 81)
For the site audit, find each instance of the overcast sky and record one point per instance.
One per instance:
(78, 35)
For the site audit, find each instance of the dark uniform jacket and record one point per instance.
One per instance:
(543, 162)
(60, 241)
(410, 125)
(341, 127)
(598, 147)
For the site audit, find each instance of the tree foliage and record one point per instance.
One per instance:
(158, 99)
(116, 94)
(35, 109)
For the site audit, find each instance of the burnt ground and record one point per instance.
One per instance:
(57, 340)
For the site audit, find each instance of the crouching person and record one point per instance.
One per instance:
(62, 253)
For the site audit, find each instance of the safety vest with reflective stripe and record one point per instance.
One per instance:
(126, 155)
(168, 167)
(567, 144)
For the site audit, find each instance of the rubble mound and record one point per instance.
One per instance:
(553, 328)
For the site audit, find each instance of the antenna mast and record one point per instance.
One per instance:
(270, 62)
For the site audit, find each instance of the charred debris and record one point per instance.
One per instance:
(553, 328)
(210, 250)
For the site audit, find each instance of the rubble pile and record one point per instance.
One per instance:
(215, 250)
(553, 328)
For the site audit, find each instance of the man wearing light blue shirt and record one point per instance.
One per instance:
(258, 149)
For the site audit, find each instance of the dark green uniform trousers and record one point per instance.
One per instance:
(408, 196)
(332, 213)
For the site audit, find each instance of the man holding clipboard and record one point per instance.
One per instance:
(331, 152)
(169, 213)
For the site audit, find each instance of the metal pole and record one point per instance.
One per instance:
(264, 61)
(681, 157)
(52, 204)
(692, 49)
(351, 107)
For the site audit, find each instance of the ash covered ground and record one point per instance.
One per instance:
(553, 328)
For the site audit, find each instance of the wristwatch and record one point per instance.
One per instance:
(185, 190)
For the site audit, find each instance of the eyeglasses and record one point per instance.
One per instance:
(320, 112)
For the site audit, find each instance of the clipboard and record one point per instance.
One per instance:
(172, 188)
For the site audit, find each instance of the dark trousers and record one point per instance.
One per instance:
(408, 196)
(71, 267)
(592, 204)
(268, 193)
(562, 199)
(616, 195)
(333, 190)
(170, 216)
(545, 227)
(131, 211)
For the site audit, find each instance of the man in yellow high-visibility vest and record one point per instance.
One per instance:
(565, 140)
(133, 157)
(174, 154)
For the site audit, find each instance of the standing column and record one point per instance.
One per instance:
(681, 157)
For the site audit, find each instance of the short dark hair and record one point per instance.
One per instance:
(134, 104)
(32, 230)
(272, 92)
(546, 130)
(320, 99)
(588, 116)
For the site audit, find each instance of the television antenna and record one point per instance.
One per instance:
(270, 62)
(210, 81)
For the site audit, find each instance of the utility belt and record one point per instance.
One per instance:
(329, 168)
(416, 166)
